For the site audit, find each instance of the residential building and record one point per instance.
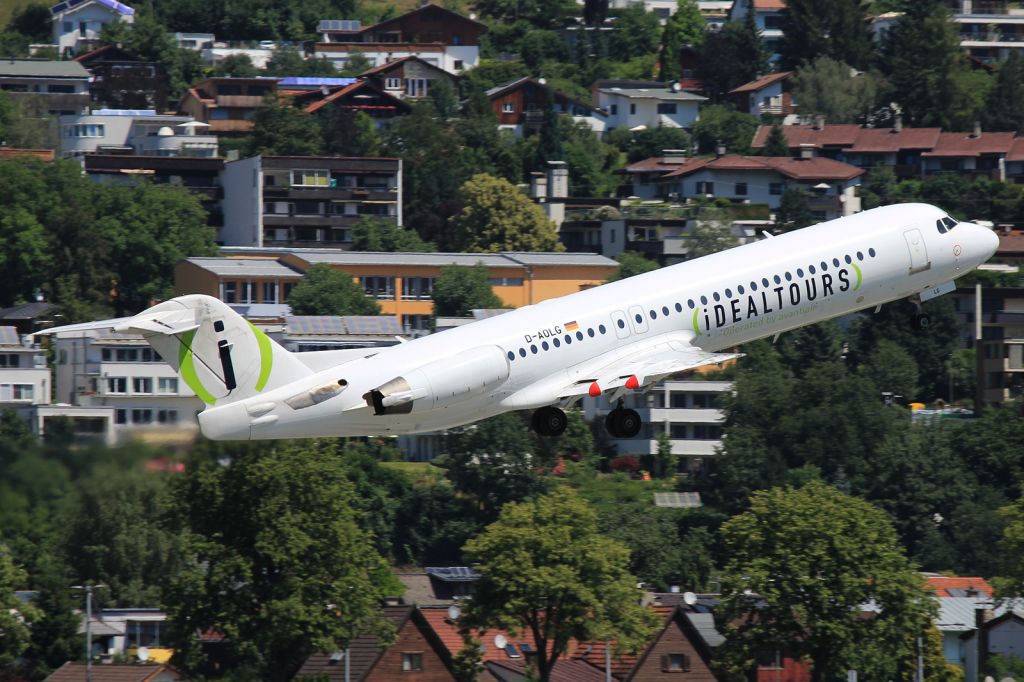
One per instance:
(401, 282)
(88, 425)
(417, 654)
(77, 24)
(217, 52)
(688, 410)
(833, 186)
(58, 87)
(769, 17)
(28, 318)
(200, 174)
(520, 106)
(990, 30)
(438, 586)
(103, 368)
(358, 96)
(439, 36)
(24, 375)
(410, 76)
(295, 201)
(662, 8)
(640, 105)
(974, 154)
(122, 631)
(121, 80)
(115, 672)
(1002, 330)
(142, 132)
(769, 95)
(227, 104)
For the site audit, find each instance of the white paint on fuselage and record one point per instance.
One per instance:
(885, 276)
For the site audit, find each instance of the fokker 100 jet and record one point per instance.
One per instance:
(607, 341)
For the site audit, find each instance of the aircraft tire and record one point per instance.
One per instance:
(549, 421)
(920, 322)
(622, 423)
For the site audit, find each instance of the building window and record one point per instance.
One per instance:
(142, 416)
(707, 432)
(142, 385)
(288, 286)
(412, 661)
(270, 292)
(85, 130)
(675, 663)
(506, 281)
(417, 288)
(379, 287)
(775, 188)
(17, 391)
(229, 292)
(416, 322)
(632, 109)
(167, 416)
(705, 187)
(508, 108)
(666, 107)
(247, 293)
(121, 416)
(10, 360)
(458, 65)
(741, 189)
(117, 385)
(393, 84)
(168, 385)
(311, 178)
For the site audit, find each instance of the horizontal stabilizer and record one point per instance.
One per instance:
(162, 322)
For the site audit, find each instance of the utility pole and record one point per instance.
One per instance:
(979, 355)
(88, 588)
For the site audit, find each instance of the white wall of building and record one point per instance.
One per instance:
(243, 210)
(144, 132)
(452, 58)
(84, 22)
(629, 112)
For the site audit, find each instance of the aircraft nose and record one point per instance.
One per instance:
(988, 240)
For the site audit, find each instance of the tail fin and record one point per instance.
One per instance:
(219, 354)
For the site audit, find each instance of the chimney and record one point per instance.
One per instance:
(558, 179)
(673, 155)
(806, 151)
(897, 125)
(538, 186)
(819, 122)
(977, 130)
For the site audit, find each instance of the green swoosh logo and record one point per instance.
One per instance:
(860, 276)
(696, 328)
(187, 367)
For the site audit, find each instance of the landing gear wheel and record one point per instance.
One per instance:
(622, 423)
(920, 322)
(549, 421)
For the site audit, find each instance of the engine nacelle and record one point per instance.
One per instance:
(441, 382)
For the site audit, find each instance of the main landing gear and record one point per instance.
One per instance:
(623, 423)
(919, 320)
(549, 421)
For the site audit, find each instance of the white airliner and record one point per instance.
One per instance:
(606, 341)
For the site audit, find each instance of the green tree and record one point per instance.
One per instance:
(667, 460)
(459, 290)
(280, 129)
(632, 263)
(776, 143)
(892, 369)
(55, 638)
(1004, 109)
(636, 33)
(496, 216)
(685, 28)
(237, 66)
(538, 47)
(326, 291)
(711, 233)
(290, 575)
(801, 563)
(1011, 582)
(33, 20)
(591, 163)
(540, 13)
(376, 234)
(723, 124)
(831, 89)
(825, 28)
(794, 210)
(643, 144)
(15, 616)
(731, 57)
(549, 573)
(348, 133)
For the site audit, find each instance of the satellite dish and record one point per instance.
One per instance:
(143, 654)
(454, 612)
(676, 87)
(690, 598)
(500, 641)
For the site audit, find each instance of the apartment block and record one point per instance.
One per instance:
(134, 131)
(307, 201)
(24, 376)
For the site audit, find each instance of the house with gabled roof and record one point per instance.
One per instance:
(768, 95)
(77, 23)
(360, 95)
(120, 80)
(520, 106)
(410, 76)
(976, 153)
(417, 654)
(637, 105)
(227, 103)
(115, 672)
(439, 36)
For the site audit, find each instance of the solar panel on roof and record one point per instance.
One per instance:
(372, 324)
(339, 25)
(9, 336)
(510, 649)
(315, 324)
(678, 500)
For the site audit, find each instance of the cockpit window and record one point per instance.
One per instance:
(949, 223)
(940, 226)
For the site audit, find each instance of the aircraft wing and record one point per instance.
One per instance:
(667, 356)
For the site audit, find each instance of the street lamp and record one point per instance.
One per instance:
(88, 588)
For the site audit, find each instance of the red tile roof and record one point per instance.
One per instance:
(622, 662)
(653, 164)
(448, 632)
(965, 144)
(770, 5)
(882, 140)
(12, 152)
(565, 670)
(817, 168)
(1016, 150)
(942, 584)
(113, 672)
(829, 135)
(762, 82)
